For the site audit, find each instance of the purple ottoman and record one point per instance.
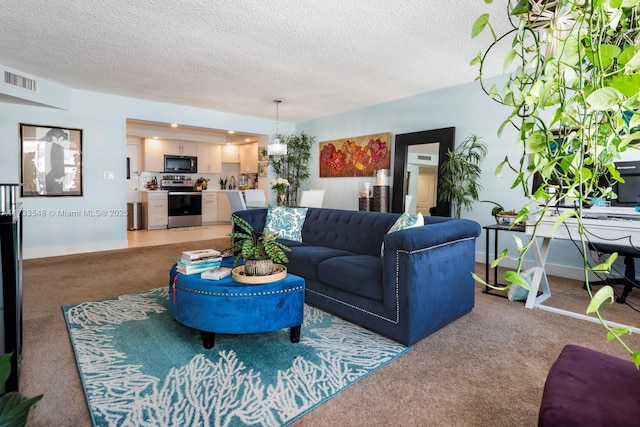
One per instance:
(588, 388)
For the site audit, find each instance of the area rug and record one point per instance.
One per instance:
(140, 367)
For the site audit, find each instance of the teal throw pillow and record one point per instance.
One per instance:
(405, 221)
(286, 221)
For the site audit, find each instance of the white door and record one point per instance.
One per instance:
(426, 190)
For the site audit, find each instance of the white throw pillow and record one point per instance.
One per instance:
(286, 221)
(403, 222)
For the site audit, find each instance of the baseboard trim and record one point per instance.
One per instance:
(46, 252)
(575, 273)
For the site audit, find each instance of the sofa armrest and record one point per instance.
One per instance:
(429, 235)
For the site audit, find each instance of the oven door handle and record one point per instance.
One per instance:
(185, 193)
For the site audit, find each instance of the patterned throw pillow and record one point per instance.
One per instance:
(405, 221)
(286, 221)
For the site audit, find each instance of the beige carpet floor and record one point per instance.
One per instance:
(486, 368)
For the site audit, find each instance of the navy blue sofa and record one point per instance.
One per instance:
(422, 282)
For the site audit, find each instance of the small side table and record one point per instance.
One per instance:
(496, 228)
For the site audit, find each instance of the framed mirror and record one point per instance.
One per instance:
(416, 168)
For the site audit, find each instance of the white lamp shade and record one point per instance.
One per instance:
(277, 148)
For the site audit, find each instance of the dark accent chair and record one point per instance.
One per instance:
(587, 388)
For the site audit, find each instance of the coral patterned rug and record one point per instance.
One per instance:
(140, 367)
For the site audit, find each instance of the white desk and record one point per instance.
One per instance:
(614, 226)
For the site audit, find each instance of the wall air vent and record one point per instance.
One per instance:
(20, 81)
(424, 157)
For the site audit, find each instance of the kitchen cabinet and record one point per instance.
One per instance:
(204, 157)
(180, 148)
(216, 208)
(231, 154)
(249, 158)
(209, 207)
(224, 207)
(209, 158)
(155, 209)
(153, 155)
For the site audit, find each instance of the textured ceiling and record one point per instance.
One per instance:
(318, 57)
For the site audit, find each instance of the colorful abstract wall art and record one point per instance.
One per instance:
(357, 156)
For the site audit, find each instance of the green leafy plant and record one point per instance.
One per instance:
(459, 181)
(251, 244)
(573, 100)
(294, 166)
(14, 408)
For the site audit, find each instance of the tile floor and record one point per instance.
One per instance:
(139, 238)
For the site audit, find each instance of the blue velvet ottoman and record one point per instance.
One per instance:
(229, 307)
(587, 388)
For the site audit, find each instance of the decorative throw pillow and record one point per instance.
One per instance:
(286, 221)
(403, 222)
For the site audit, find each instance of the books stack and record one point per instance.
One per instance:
(192, 262)
(216, 273)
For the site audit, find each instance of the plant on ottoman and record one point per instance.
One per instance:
(259, 250)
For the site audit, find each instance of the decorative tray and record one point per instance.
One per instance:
(279, 273)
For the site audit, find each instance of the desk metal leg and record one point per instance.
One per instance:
(539, 283)
(486, 261)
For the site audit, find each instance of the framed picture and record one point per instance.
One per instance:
(51, 161)
(357, 156)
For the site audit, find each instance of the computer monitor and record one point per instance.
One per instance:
(628, 191)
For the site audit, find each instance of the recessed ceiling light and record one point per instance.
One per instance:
(231, 131)
(174, 125)
(247, 140)
(155, 137)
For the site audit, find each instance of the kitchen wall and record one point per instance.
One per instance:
(58, 225)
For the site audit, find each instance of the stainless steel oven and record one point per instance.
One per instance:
(185, 204)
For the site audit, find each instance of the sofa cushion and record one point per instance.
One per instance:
(354, 231)
(286, 221)
(357, 274)
(405, 221)
(304, 259)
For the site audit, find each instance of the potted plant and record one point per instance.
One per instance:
(280, 185)
(258, 250)
(201, 183)
(459, 180)
(574, 101)
(293, 166)
(14, 408)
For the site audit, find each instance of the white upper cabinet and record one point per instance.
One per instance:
(249, 158)
(152, 155)
(230, 154)
(204, 157)
(180, 148)
(209, 158)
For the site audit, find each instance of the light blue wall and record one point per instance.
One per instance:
(470, 111)
(103, 121)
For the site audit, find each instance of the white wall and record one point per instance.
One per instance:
(103, 120)
(47, 232)
(470, 111)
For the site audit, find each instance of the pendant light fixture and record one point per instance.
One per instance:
(277, 147)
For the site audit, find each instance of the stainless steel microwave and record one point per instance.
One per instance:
(183, 164)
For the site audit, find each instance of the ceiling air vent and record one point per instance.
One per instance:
(424, 157)
(20, 81)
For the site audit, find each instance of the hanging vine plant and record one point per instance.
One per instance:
(573, 98)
